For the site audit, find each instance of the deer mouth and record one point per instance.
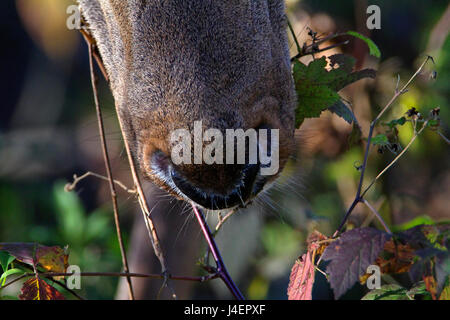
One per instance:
(240, 196)
(247, 186)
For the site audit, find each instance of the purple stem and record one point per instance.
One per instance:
(221, 269)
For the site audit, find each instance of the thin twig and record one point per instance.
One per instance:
(397, 93)
(109, 173)
(443, 137)
(146, 212)
(375, 212)
(312, 48)
(127, 274)
(291, 29)
(67, 288)
(223, 219)
(221, 268)
(395, 159)
(76, 180)
(50, 275)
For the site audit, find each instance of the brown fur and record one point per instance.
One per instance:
(172, 62)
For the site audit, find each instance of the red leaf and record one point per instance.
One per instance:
(38, 289)
(301, 279)
(350, 255)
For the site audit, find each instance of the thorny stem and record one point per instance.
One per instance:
(359, 195)
(221, 269)
(112, 187)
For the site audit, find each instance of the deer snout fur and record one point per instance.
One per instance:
(172, 63)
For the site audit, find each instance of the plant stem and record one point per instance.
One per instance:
(146, 212)
(395, 159)
(112, 187)
(221, 269)
(71, 186)
(359, 197)
(375, 212)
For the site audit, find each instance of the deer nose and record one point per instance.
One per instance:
(213, 187)
(215, 198)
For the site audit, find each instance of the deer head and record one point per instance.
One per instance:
(172, 63)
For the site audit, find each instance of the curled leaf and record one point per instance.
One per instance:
(301, 279)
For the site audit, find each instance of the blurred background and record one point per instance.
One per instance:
(48, 133)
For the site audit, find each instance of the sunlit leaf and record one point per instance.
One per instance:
(445, 294)
(317, 88)
(387, 292)
(380, 140)
(430, 285)
(38, 289)
(414, 222)
(400, 257)
(8, 273)
(396, 122)
(53, 259)
(373, 48)
(301, 279)
(5, 260)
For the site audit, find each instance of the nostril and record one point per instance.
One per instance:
(213, 200)
(160, 161)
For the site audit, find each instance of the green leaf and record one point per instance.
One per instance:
(70, 214)
(9, 273)
(380, 140)
(418, 289)
(401, 121)
(414, 222)
(317, 88)
(343, 111)
(8, 298)
(5, 260)
(373, 48)
(388, 292)
(433, 123)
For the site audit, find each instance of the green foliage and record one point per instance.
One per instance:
(373, 48)
(317, 88)
(391, 124)
(380, 140)
(5, 260)
(396, 292)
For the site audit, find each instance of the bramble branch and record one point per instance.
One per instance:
(359, 195)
